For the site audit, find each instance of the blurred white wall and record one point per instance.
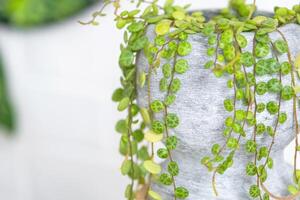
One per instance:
(61, 78)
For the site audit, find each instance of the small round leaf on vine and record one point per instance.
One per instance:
(126, 58)
(184, 48)
(228, 105)
(285, 68)
(179, 15)
(166, 69)
(124, 103)
(154, 195)
(163, 27)
(261, 107)
(262, 38)
(172, 120)
(171, 142)
(261, 88)
(262, 50)
(215, 149)
(157, 106)
(281, 46)
(181, 66)
(158, 127)
(227, 36)
(282, 118)
(121, 126)
(251, 169)
(152, 167)
(153, 137)
(176, 85)
(254, 191)
(260, 128)
(166, 179)
(173, 168)
(270, 131)
(287, 93)
(251, 146)
(117, 95)
(170, 99)
(273, 65)
(240, 115)
(274, 85)
(272, 107)
(232, 143)
(262, 67)
(242, 41)
(181, 192)
(247, 59)
(162, 153)
(163, 84)
(160, 40)
(209, 64)
(229, 52)
(212, 40)
(211, 51)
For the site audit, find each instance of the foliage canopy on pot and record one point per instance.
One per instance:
(141, 131)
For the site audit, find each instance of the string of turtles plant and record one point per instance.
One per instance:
(144, 127)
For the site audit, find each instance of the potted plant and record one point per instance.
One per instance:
(218, 88)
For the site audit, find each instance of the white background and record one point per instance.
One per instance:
(61, 78)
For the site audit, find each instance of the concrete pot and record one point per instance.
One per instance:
(199, 105)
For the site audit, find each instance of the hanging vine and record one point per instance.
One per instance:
(144, 127)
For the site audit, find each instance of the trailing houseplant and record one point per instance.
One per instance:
(144, 127)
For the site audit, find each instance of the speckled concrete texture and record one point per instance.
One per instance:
(199, 104)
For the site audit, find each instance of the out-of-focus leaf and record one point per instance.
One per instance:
(7, 119)
(27, 13)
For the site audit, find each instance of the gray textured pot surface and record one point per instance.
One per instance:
(199, 105)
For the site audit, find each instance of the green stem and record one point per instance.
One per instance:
(255, 113)
(252, 10)
(293, 84)
(166, 113)
(234, 117)
(149, 103)
(278, 113)
(129, 133)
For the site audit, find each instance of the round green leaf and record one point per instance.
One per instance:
(153, 137)
(152, 167)
(154, 195)
(184, 48)
(163, 27)
(124, 103)
(126, 58)
(281, 46)
(181, 66)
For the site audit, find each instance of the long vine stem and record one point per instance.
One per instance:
(166, 114)
(252, 10)
(129, 133)
(255, 114)
(293, 83)
(278, 115)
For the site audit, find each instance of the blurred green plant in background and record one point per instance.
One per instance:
(7, 119)
(28, 13)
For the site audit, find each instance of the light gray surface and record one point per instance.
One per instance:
(199, 105)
